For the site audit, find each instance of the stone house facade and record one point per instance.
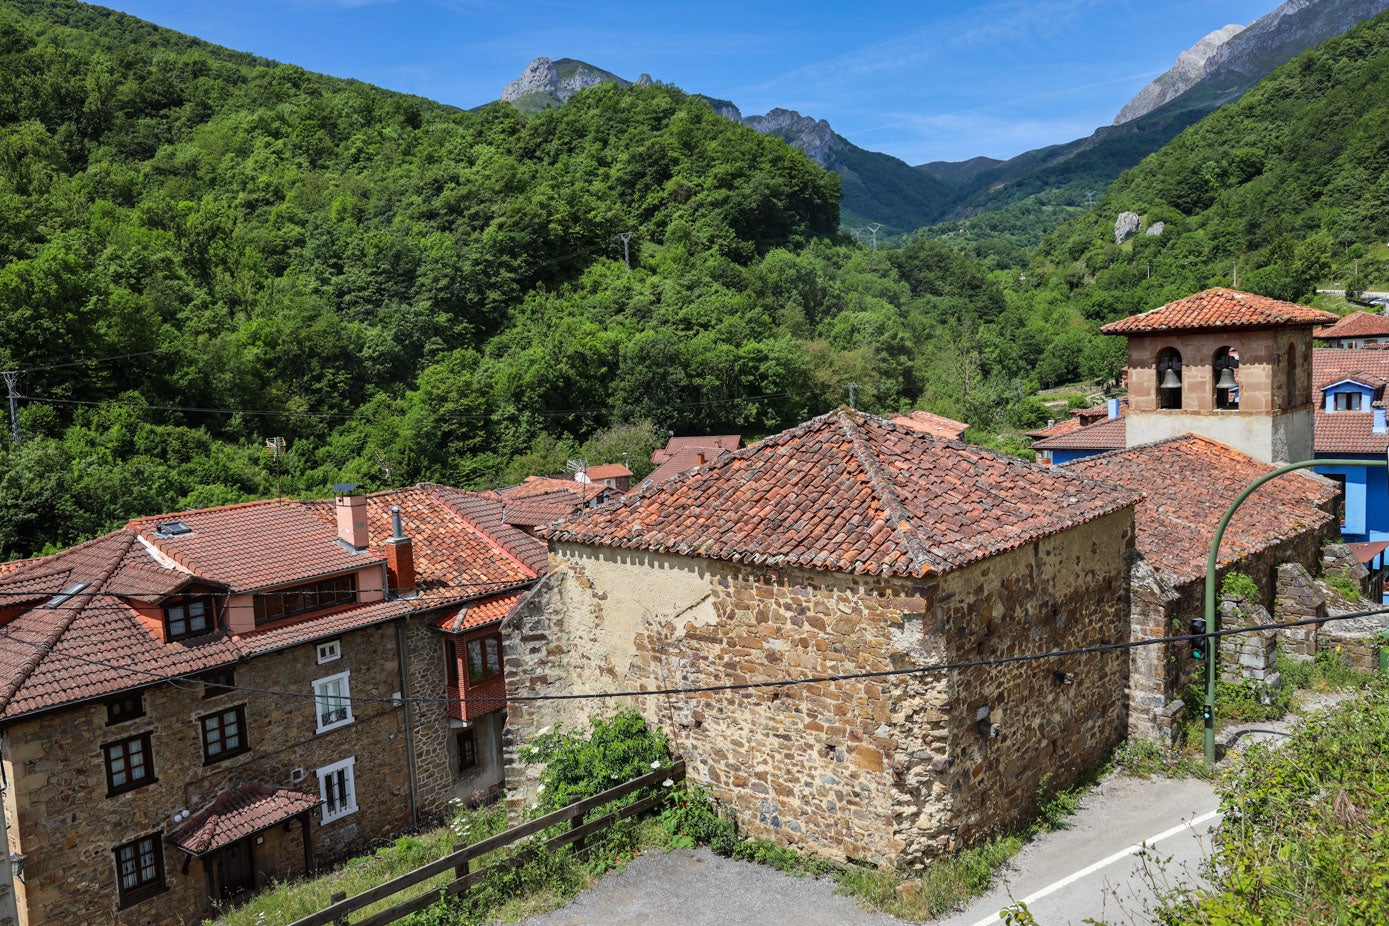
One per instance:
(851, 552)
(201, 703)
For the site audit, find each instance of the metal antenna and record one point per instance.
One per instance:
(1235, 276)
(11, 382)
(852, 387)
(626, 249)
(275, 446)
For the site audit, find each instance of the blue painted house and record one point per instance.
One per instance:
(1348, 389)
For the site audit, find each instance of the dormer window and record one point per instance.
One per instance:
(1347, 402)
(188, 617)
(1224, 366)
(1169, 371)
(278, 604)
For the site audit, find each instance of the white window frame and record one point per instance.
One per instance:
(344, 772)
(343, 696)
(329, 651)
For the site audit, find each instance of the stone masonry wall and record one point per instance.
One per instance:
(67, 826)
(425, 672)
(1064, 592)
(879, 770)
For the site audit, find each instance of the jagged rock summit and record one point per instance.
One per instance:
(551, 83)
(1181, 77)
(813, 136)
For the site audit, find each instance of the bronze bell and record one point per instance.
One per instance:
(1226, 380)
(1170, 380)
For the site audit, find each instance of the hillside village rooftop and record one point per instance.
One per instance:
(1220, 308)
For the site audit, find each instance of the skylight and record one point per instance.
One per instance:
(171, 529)
(61, 598)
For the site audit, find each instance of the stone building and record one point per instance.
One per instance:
(200, 703)
(1186, 484)
(852, 551)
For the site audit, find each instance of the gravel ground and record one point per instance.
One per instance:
(695, 887)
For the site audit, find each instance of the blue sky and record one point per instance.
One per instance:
(922, 81)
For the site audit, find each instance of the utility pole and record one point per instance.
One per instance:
(1234, 273)
(11, 382)
(626, 249)
(873, 230)
(852, 387)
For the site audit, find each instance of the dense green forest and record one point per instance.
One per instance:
(405, 291)
(1289, 186)
(200, 250)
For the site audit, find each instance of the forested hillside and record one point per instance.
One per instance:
(1290, 185)
(405, 291)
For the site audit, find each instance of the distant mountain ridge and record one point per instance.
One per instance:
(879, 188)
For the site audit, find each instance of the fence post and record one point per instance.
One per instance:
(461, 869)
(338, 898)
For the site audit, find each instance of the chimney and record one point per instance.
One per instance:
(352, 516)
(699, 459)
(1380, 426)
(1113, 408)
(400, 559)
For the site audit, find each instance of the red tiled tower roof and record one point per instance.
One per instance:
(853, 493)
(1219, 308)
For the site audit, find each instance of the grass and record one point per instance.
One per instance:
(943, 885)
(287, 901)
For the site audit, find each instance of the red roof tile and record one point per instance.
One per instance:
(95, 644)
(849, 492)
(1187, 483)
(1219, 308)
(237, 814)
(542, 508)
(476, 614)
(1065, 426)
(1366, 552)
(608, 471)
(254, 545)
(1356, 325)
(1109, 434)
(934, 425)
(683, 461)
(728, 442)
(1349, 433)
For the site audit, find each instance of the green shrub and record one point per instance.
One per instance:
(584, 763)
(1237, 583)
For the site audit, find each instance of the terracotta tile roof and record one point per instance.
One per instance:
(1356, 325)
(539, 485)
(237, 814)
(541, 508)
(1187, 483)
(683, 461)
(95, 644)
(1366, 552)
(932, 424)
(476, 614)
(254, 545)
(1064, 426)
(728, 442)
(1347, 432)
(853, 493)
(1109, 434)
(1219, 308)
(608, 471)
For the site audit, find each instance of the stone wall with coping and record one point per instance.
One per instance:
(430, 727)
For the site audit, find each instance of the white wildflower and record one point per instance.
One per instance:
(667, 783)
(656, 764)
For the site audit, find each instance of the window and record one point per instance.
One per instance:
(332, 702)
(1169, 372)
(301, 599)
(129, 764)
(188, 617)
(467, 750)
(337, 789)
(484, 658)
(217, 682)
(126, 707)
(224, 734)
(329, 651)
(1346, 401)
(140, 869)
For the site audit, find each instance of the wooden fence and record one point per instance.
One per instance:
(336, 914)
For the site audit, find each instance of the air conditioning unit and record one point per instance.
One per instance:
(296, 775)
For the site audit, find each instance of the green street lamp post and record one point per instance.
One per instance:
(1212, 640)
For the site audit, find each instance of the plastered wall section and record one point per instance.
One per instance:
(881, 770)
(62, 819)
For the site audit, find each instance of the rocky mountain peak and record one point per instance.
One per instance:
(540, 76)
(1181, 77)
(813, 136)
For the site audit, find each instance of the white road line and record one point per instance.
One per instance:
(1104, 862)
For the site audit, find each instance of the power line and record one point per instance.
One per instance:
(93, 360)
(194, 677)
